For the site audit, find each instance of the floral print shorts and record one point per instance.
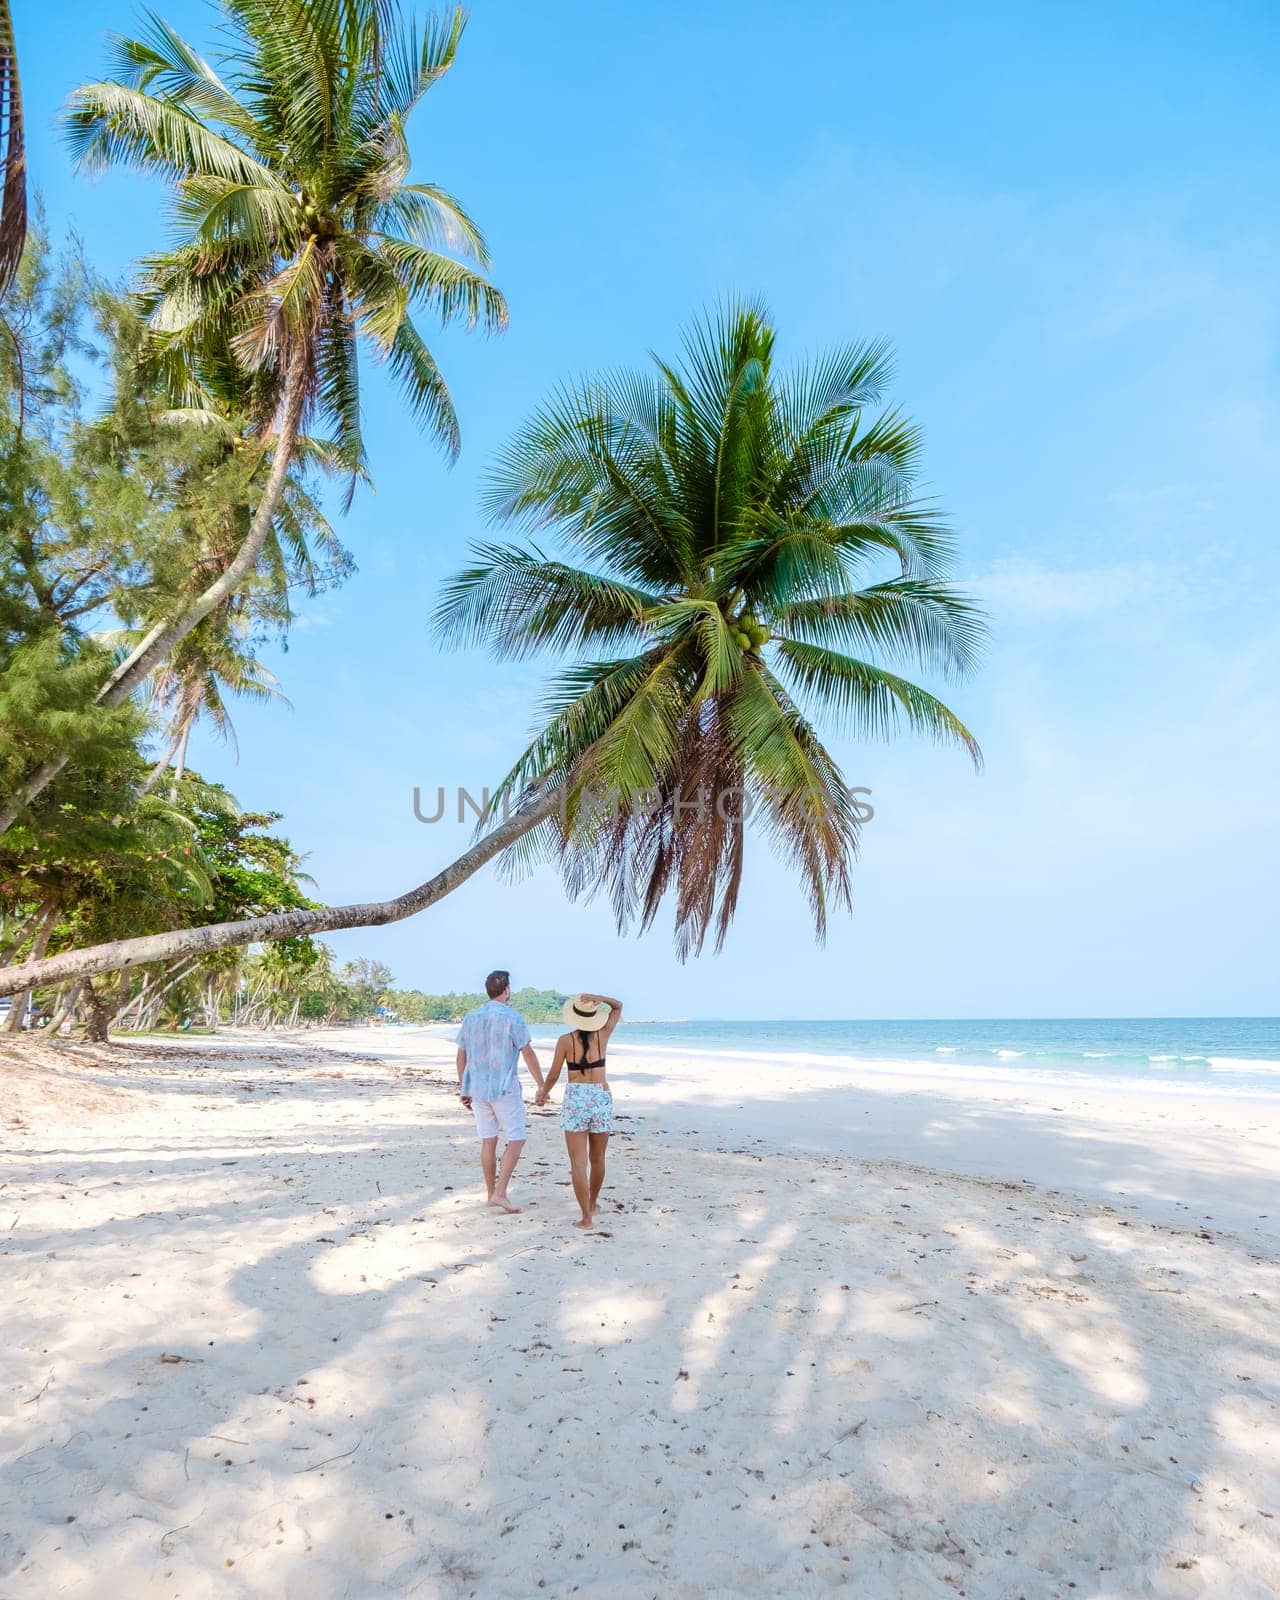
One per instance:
(587, 1108)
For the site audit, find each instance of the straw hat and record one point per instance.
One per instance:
(585, 1014)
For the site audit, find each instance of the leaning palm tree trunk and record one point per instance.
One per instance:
(135, 1003)
(161, 767)
(165, 637)
(152, 993)
(126, 953)
(62, 1010)
(13, 155)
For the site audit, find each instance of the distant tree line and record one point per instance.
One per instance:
(293, 983)
(411, 1005)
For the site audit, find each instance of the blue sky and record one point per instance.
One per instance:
(1065, 217)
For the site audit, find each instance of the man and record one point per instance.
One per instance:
(491, 1041)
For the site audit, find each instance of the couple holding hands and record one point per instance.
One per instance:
(491, 1042)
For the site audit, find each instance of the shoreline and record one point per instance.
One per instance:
(961, 1074)
(1198, 1074)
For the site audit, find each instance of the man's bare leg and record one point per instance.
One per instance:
(509, 1158)
(576, 1144)
(489, 1164)
(597, 1143)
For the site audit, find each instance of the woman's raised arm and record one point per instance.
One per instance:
(615, 1013)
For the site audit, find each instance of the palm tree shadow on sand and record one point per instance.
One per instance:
(759, 1373)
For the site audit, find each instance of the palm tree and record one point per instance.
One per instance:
(733, 516)
(297, 237)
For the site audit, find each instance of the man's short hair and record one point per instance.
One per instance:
(496, 982)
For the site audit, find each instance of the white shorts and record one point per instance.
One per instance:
(505, 1116)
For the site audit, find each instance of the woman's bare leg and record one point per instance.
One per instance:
(597, 1144)
(576, 1144)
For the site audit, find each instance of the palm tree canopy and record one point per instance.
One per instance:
(296, 228)
(753, 546)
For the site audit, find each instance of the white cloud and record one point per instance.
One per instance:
(1019, 590)
(1143, 497)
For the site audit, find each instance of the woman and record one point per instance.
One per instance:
(586, 1114)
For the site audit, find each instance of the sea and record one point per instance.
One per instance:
(1240, 1053)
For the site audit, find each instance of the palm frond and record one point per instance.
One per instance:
(423, 385)
(164, 63)
(258, 219)
(427, 215)
(908, 618)
(870, 700)
(450, 287)
(109, 123)
(412, 64)
(517, 602)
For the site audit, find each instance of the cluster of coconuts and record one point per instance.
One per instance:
(750, 634)
(310, 213)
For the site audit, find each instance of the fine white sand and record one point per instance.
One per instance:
(261, 1338)
(1172, 1153)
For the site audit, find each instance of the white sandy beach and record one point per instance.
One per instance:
(262, 1338)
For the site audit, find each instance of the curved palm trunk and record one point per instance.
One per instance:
(180, 761)
(177, 753)
(125, 953)
(161, 766)
(65, 1006)
(164, 638)
(152, 992)
(13, 155)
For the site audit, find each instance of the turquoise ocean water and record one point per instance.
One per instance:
(1241, 1053)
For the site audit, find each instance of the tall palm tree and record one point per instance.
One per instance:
(733, 516)
(297, 237)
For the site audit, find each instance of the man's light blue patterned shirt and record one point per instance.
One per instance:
(493, 1036)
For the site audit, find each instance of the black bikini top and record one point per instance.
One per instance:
(585, 1065)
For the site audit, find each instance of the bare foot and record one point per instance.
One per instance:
(585, 1224)
(503, 1204)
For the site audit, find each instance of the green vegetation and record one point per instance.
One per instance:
(534, 1005)
(101, 514)
(298, 983)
